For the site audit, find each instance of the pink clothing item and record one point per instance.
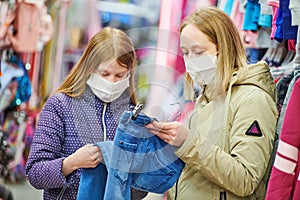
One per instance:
(275, 12)
(292, 45)
(94, 19)
(213, 2)
(236, 15)
(274, 3)
(284, 181)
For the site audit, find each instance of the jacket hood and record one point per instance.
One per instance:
(258, 75)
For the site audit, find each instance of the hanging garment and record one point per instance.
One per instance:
(27, 26)
(284, 181)
(6, 18)
(24, 85)
(294, 7)
(136, 158)
(9, 70)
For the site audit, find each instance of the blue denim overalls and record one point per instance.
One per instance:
(136, 158)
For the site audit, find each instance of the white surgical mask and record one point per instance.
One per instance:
(202, 69)
(105, 90)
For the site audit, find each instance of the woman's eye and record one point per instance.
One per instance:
(185, 53)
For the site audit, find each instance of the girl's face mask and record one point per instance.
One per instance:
(202, 69)
(105, 90)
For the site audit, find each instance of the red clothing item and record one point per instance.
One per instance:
(284, 182)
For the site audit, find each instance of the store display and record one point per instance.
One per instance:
(40, 41)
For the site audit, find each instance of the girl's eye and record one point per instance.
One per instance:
(120, 75)
(198, 53)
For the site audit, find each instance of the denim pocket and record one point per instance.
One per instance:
(127, 146)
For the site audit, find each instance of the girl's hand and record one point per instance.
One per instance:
(88, 156)
(173, 133)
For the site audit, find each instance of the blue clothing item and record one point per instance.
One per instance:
(136, 158)
(289, 31)
(94, 181)
(265, 20)
(228, 7)
(23, 92)
(252, 14)
(254, 55)
(278, 36)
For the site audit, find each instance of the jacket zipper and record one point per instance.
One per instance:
(223, 196)
(103, 122)
(61, 193)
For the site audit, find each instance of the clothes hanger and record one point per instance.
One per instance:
(289, 57)
(272, 56)
(270, 53)
(289, 67)
(280, 54)
(292, 56)
(137, 109)
(296, 59)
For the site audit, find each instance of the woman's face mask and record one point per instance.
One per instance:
(202, 69)
(105, 90)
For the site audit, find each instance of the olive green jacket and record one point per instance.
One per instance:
(229, 148)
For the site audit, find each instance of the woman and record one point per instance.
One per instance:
(227, 143)
(84, 110)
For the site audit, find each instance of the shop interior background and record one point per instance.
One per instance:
(64, 27)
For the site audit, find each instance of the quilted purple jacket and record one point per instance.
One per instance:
(64, 125)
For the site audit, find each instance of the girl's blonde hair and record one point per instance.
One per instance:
(107, 44)
(220, 30)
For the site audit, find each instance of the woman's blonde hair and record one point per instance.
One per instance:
(107, 44)
(220, 30)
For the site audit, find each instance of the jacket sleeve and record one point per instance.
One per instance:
(284, 174)
(241, 170)
(44, 165)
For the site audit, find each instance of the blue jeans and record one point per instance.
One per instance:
(92, 183)
(138, 159)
